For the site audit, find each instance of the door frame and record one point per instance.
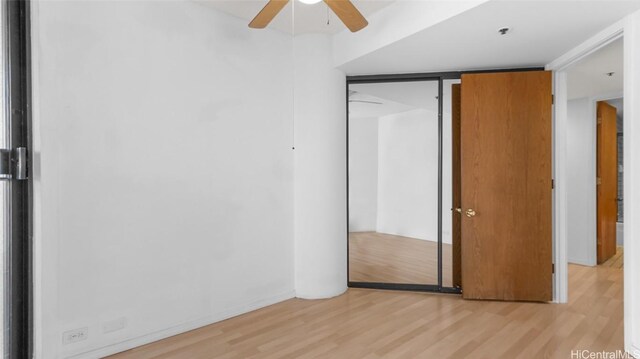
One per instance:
(413, 77)
(628, 29)
(559, 68)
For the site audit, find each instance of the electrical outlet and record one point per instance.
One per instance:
(74, 336)
(113, 325)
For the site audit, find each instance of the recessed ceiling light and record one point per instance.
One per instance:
(503, 30)
(310, 2)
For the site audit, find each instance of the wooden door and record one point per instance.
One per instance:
(506, 153)
(607, 182)
(456, 260)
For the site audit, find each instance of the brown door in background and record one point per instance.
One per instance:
(607, 182)
(456, 260)
(506, 153)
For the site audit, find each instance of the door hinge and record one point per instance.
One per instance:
(13, 164)
(553, 183)
(598, 181)
(553, 99)
(553, 268)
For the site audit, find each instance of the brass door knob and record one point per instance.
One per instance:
(459, 210)
(470, 213)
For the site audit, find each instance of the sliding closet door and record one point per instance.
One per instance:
(15, 185)
(393, 183)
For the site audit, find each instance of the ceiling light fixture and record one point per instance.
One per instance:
(310, 2)
(610, 74)
(503, 30)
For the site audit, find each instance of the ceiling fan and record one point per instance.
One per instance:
(344, 9)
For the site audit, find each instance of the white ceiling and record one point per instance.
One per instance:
(588, 77)
(540, 32)
(308, 18)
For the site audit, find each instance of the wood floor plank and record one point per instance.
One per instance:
(616, 261)
(374, 324)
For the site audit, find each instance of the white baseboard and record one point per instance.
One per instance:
(579, 262)
(181, 328)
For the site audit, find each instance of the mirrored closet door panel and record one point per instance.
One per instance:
(393, 182)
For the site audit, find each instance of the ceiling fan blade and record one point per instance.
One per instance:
(267, 13)
(348, 13)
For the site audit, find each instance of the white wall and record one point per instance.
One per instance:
(631, 178)
(408, 174)
(581, 192)
(320, 170)
(363, 174)
(163, 170)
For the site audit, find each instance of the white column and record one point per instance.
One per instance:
(320, 170)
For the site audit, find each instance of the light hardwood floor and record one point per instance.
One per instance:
(386, 324)
(617, 261)
(386, 258)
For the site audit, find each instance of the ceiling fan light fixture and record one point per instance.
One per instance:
(344, 9)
